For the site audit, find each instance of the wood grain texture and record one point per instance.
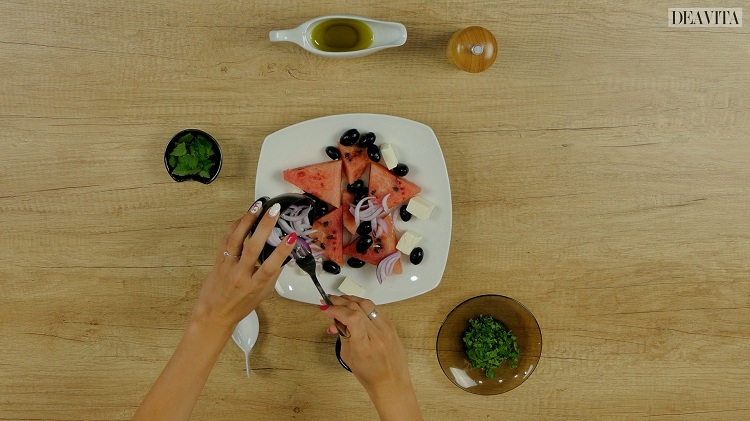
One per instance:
(599, 172)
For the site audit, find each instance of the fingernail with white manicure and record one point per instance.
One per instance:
(275, 209)
(255, 207)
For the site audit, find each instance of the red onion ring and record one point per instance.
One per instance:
(384, 203)
(358, 208)
(385, 267)
(297, 216)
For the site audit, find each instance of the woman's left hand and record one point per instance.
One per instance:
(236, 286)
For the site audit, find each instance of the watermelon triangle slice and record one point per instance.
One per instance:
(382, 247)
(355, 161)
(347, 199)
(322, 180)
(330, 235)
(383, 182)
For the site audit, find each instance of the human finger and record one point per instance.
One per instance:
(254, 243)
(336, 327)
(272, 264)
(366, 305)
(225, 237)
(236, 238)
(355, 303)
(355, 321)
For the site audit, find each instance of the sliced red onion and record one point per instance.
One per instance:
(382, 227)
(358, 208)
(274, 239)
(384, 203)
(370, 214)
(385, 267)
(380, 272)
(300, 226)
(304, 244)
(288, 229)
(391, 263)
(296, 216)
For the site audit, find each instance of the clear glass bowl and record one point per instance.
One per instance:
(514, 317)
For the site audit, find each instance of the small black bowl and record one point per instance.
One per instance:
(216, 157)
(285, 201)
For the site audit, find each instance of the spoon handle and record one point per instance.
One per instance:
(247, 364)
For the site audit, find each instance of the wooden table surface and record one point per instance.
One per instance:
(599, 175)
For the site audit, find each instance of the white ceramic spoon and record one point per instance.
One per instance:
(245, 335)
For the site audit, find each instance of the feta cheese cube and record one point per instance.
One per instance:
(389, 155)
(348, 287)
(407, 242)
(420, 207)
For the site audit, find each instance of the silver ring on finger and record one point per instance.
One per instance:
(373, 314)
(227, 254)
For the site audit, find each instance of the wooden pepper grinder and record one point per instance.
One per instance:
(472, 49)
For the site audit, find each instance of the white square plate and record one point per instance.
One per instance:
(415, 145)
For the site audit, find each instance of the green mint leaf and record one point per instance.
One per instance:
(181, 170)
(187, 137)
(208, 147)
(187, 165)
(193, 148)
(179, 150)
(191, 156)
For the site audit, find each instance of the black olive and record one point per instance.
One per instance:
(416, 255)
(359, 196)
(405, 214)
(366, 140)
(355, 263)
(374, 153)
(364, 228)
(400, 170)
(333, 153)
(349, 137)
(355, 186)
(331, 267)
(320, 207)
(363, 244)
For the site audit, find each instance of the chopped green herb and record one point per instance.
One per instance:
(190, 156)
(489, 344)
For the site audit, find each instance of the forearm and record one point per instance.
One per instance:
(179, 385)
(397, 404)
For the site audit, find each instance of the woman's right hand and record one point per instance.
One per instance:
(376, 356)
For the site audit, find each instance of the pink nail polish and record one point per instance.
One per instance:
(324, 307)
(291, 238)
